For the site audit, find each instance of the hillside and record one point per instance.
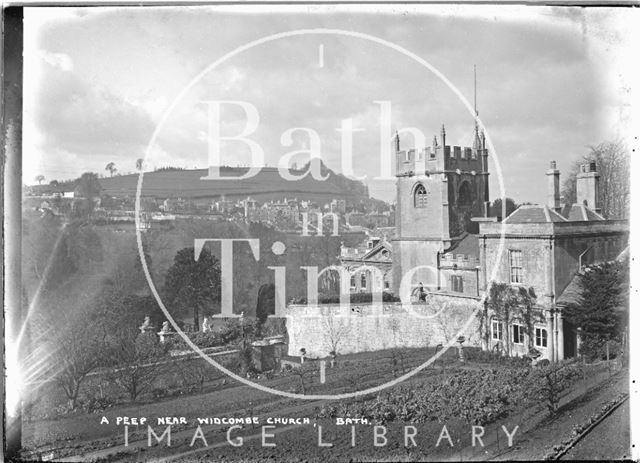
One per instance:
(267, 184)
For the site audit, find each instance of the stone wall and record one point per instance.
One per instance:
(370, 327)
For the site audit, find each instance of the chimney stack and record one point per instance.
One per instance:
(588, 186)
(553, 187)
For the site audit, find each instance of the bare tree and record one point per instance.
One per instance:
(139, 163)
(76, 350)
(135, 361)
(334, 332)
(445, 321)
(612, 161)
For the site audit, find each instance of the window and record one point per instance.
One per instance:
(420, 197)
(465, 195)
(515, 266)
(456, 283)
(386, 285)
(518, 334)
(496, 330)
(363, 281)
(353, 281)
(541, 337)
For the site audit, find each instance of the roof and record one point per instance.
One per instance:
(533, 213)
(579, 212)
(467, 246)
(571, 293)
(376, 249)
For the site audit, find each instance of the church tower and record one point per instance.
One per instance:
(438, 190)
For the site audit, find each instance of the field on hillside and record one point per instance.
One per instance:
(267, 184)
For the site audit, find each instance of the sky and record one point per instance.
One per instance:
(99, 82)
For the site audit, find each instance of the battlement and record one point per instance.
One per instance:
(459, 260)
(440, 158)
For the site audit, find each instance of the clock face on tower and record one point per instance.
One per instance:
(296, 129)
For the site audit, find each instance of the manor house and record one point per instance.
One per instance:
(446, 242)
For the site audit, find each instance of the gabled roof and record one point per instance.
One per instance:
(533, 213)
(377, 249)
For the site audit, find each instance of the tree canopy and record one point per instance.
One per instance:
(602, 307)
(193, 285)
(496, 207)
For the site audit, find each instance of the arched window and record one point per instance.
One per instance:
(420, 196)
(464, 195)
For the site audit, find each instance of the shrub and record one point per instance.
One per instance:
(477, 396)
(549, 381)
(355, 298)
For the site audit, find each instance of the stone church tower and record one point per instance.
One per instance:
(438, 190)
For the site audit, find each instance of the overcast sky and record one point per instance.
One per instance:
(550, 82)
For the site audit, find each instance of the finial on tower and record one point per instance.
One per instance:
(443, 135)
(397, 140)
(478, 138)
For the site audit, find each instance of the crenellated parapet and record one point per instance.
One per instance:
(459, 261)
(441, 159)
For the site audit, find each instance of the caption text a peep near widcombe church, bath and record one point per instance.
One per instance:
(444, 232)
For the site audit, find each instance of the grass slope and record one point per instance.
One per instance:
(267, 183)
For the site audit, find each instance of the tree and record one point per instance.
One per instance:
(601, 309)
(139, 163)
(612, 161)
(77, 351)
(111, 167)
(135, 357)
(334, 331)
(496, 207)
(40, 179)
(89, 186)
(265, 306)
(193, 285)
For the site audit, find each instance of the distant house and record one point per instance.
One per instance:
(370, 266)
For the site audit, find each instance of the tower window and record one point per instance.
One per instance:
(465, 195)
(420, 197)
(456, 283)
